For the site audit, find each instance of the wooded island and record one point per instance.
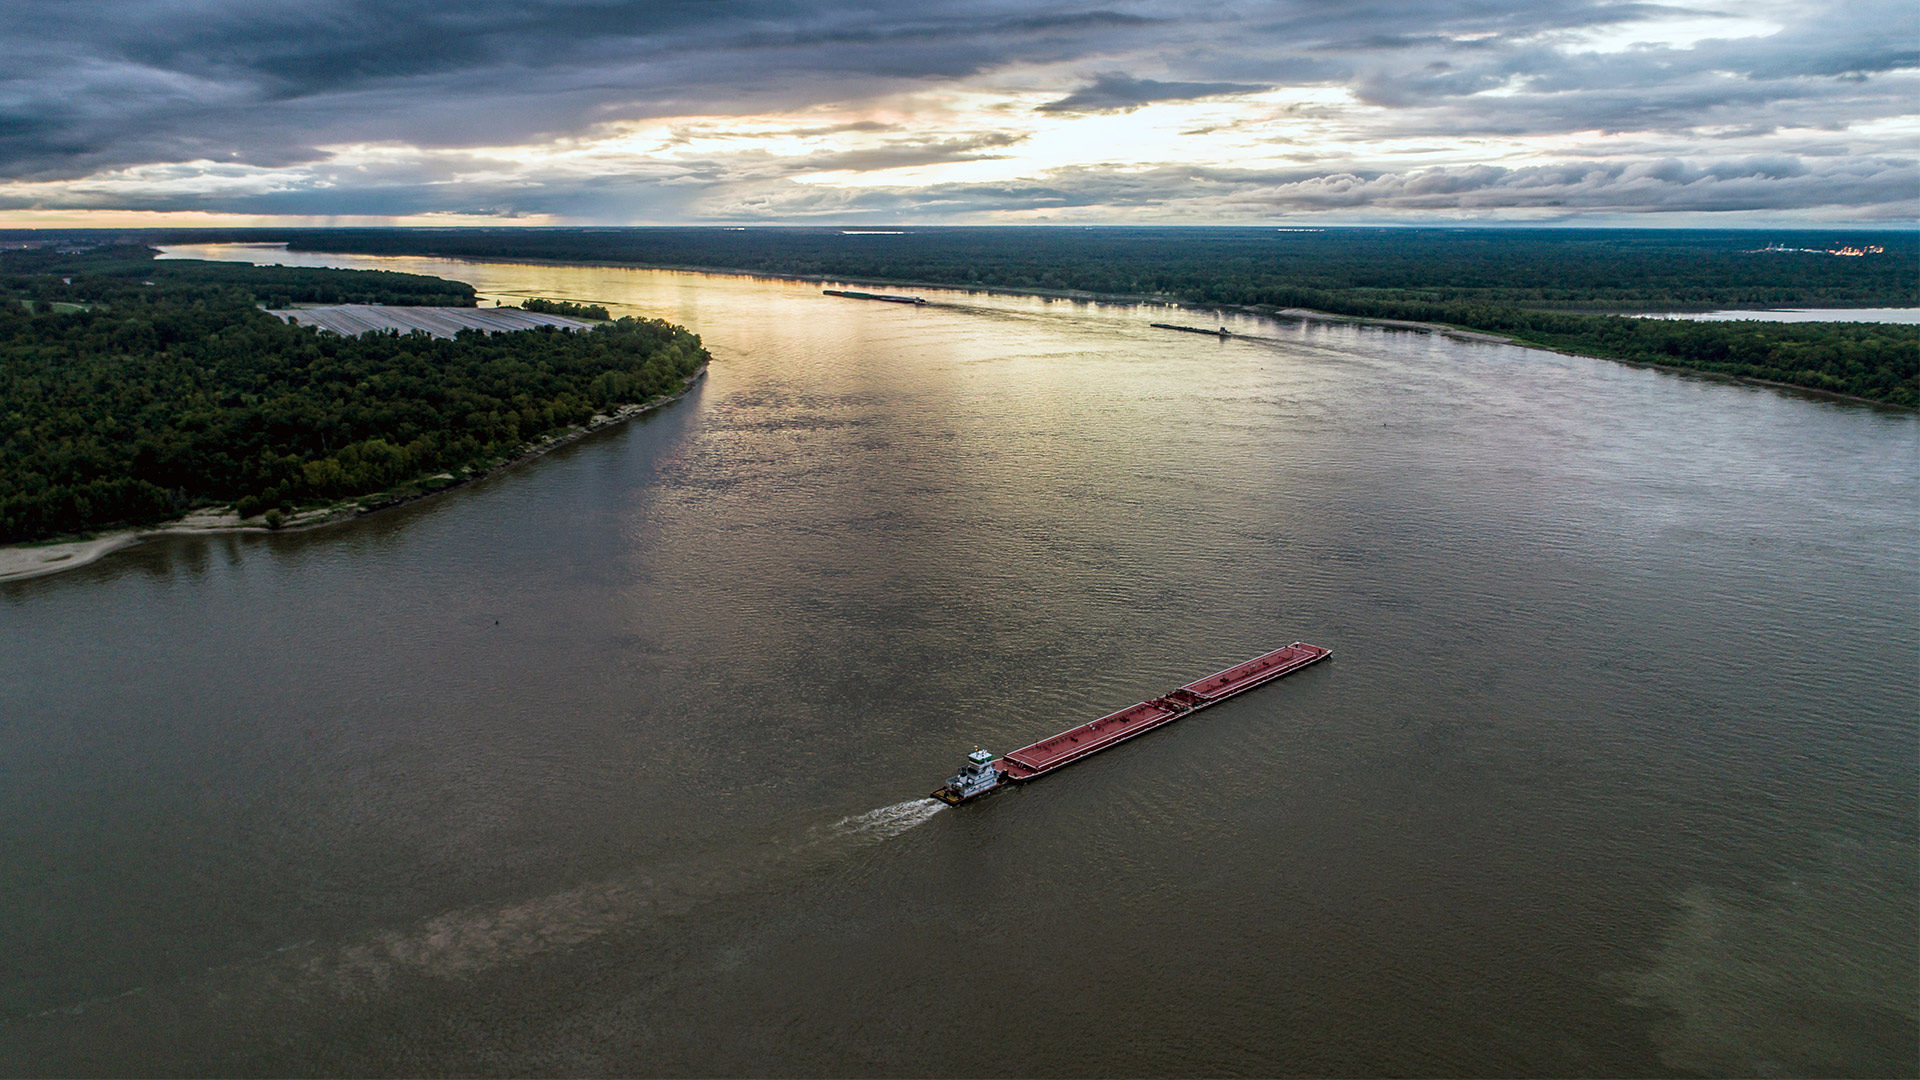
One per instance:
(134, 391)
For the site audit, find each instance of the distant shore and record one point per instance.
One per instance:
(1001, 290)
(1455, 333)
(1485, 338)
(40, 558)
(1306, 314)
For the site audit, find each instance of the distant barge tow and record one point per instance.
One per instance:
(984, 774)
(852, 295)
(1223, 332)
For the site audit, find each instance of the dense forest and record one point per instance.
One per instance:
(1553, 287)
(566, 308)
(1613, 270)
(133, 397)
(133, 268)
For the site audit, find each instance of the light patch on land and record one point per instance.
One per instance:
(441, 322)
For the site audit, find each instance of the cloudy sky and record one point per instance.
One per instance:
(142, 112)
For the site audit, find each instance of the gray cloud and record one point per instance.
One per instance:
(1879, 189)
(1668, 185)
(119, 83)
(903, 153)
(1119, 92)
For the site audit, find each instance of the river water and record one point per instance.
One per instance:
(613, 763)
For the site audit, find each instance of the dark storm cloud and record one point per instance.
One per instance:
(119, 82)
(1811, 73)
(111, 84)
(1119, 92)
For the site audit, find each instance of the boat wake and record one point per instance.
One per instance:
(888, 821)
(461, 944)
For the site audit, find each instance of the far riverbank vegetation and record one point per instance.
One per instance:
(566, 308)
(133, 391)
(1561, 288)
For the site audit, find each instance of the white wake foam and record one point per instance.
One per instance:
(888, 821)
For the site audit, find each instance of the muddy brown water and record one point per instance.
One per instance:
(613, 763)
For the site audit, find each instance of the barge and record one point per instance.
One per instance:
(984, 774)
(889, 298)
(1223, 332)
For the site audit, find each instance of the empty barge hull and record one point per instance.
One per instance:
(1071, 745)
(1245, 676)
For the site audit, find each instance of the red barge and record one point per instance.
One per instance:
(983, 773)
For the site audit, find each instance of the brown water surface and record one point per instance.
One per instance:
(612, 763)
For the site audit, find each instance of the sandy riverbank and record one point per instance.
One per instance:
(20, 561)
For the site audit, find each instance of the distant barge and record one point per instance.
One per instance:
(983, 773)
(1222, 332)
(851, 295)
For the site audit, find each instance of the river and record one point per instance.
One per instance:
(613, 763)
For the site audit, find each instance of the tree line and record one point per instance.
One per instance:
(1602, 270)
(128, 402)
(134, 268)
(565, 308)
(1553, 287)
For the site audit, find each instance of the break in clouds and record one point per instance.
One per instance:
(985, 111)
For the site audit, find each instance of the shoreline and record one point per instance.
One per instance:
(1484, 337)
(1306, 314)
(40, 558)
